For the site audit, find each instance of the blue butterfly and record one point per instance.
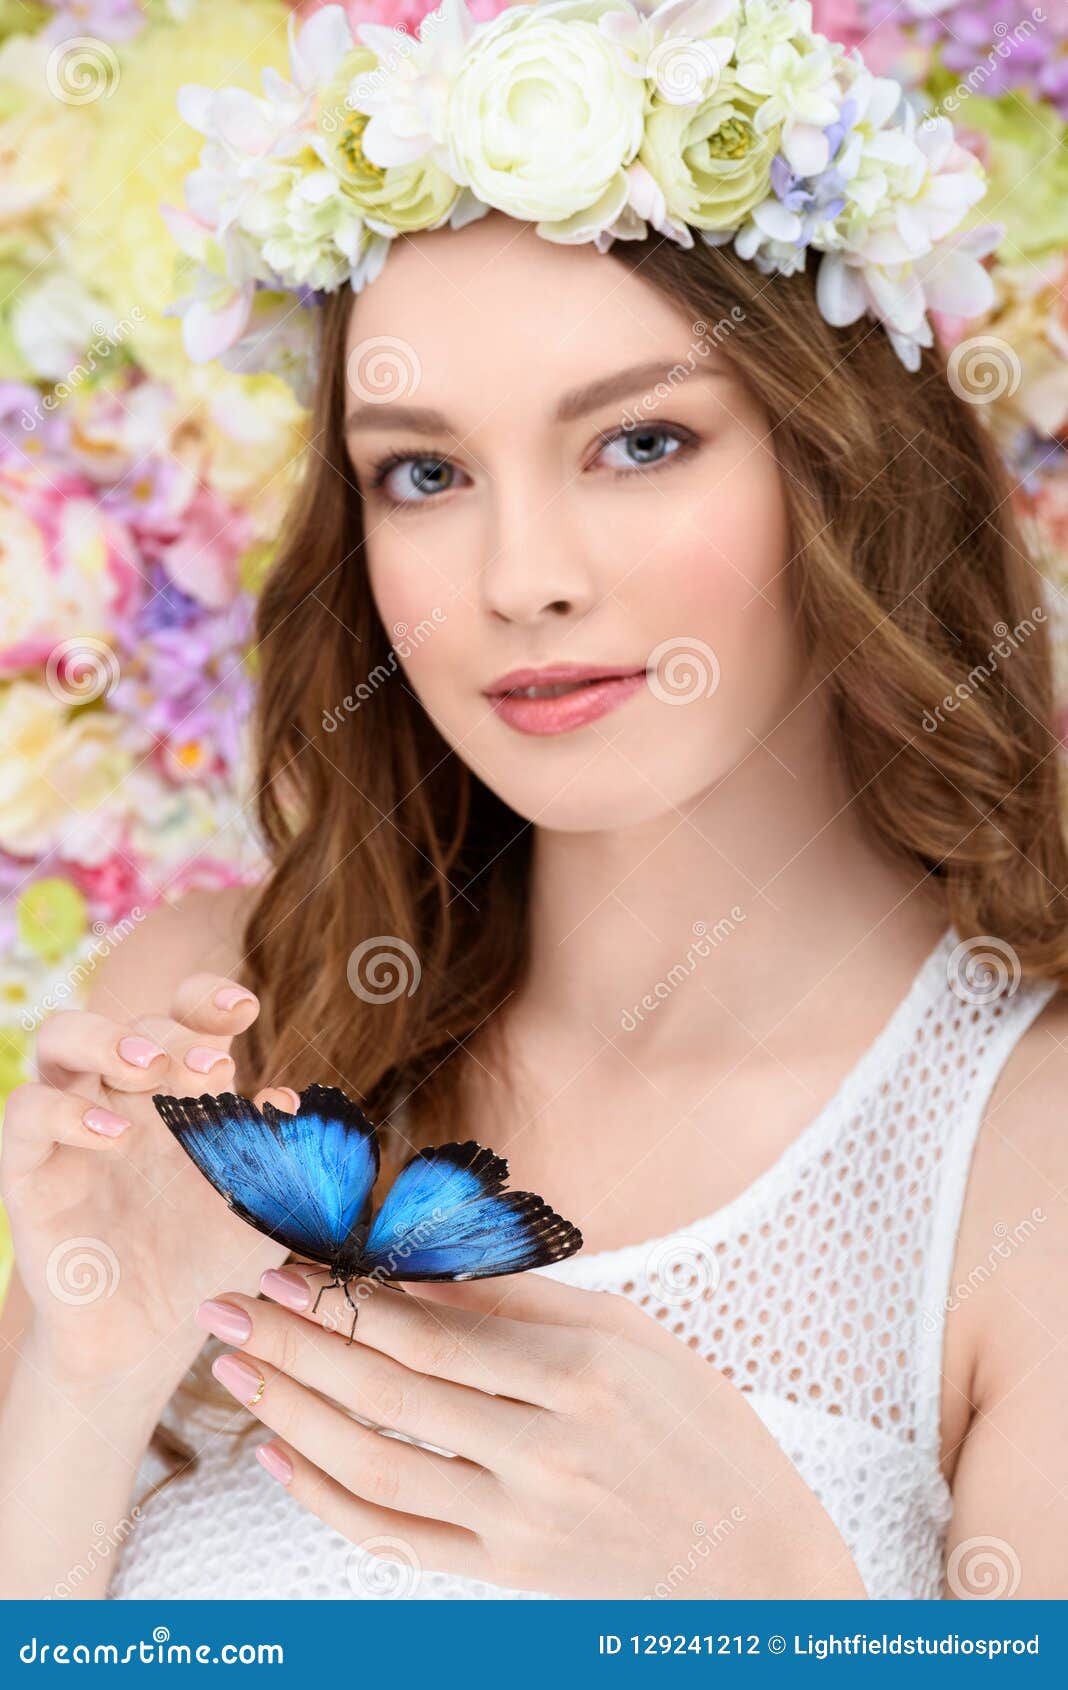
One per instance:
(306, 1179)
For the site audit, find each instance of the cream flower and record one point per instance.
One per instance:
(62, 777)
(795, 73)
(681, 47)
(406, 95)
(543, 119)
(711, 163)
(401, 197)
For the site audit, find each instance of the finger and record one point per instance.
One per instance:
(406, 1543)
(382, 1470)
(529, 1361)
(213, 1003)
(454, 1417)
(521, 1296)
(283, 1098)
(38, 1117)
(73, 1043)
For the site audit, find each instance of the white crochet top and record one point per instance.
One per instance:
(820, 1291)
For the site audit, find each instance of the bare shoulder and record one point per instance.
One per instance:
(1006, 1355)
(1007, 1306)
(201, 930)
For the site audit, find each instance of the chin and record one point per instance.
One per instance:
(595, 789)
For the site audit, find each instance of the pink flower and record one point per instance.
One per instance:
(200, 554)
(885, 48)
(397, 14)
(66, 565)
(112, 888)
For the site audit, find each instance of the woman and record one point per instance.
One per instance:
(749, 972)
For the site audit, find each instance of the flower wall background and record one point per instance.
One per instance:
(140, 495)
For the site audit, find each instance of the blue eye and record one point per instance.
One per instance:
(641, 448)
(414, 480)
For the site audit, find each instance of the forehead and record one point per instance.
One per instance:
(495, 303)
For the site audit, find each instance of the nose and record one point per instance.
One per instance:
(540, 563)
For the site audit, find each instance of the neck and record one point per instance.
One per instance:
(754, 890)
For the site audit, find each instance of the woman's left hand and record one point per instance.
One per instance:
(594, 1454)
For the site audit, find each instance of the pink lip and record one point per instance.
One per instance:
(551, 672)
(598, 688)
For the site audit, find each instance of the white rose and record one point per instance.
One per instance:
(543, 119)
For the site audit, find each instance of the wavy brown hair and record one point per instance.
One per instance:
(908, 566)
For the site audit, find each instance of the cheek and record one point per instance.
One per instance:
(428, 619)
(715, 573)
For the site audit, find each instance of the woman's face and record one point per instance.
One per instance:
(559, 471)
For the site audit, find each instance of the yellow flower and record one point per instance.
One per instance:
(41, 138)
(139, 152)
(50, 917)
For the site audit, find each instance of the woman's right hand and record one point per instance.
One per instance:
(118, 1236)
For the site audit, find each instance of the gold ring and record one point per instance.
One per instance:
(252, 1401)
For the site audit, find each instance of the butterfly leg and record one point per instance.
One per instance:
(330, 1286)
(355, 1310)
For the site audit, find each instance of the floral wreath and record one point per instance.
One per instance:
(597, 120)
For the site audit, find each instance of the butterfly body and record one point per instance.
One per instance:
(306, 1179)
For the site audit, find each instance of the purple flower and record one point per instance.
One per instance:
(166, 606)
(108, 20)
(188, 688)
(993, 45)
(815, 199)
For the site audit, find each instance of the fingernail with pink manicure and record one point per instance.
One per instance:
(201, 1058)
(276, 1462)
(141, 1052)
(241, 1379)
(224, 1320)
(228, 997)
(101, 1120)
(289, 1289)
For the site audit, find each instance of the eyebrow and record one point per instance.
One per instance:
(578, 403)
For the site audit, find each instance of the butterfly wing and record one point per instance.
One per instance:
(447, 1216)
(303, 1179)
